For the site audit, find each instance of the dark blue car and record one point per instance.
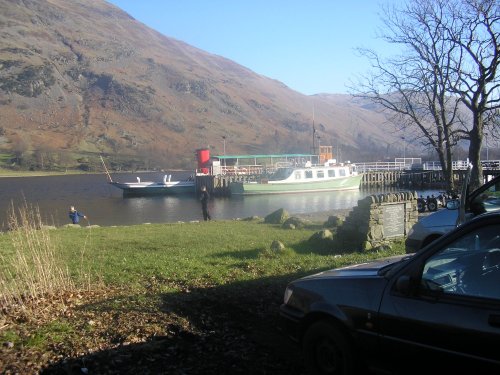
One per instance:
(433, 312)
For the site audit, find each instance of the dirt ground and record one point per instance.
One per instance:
(205, 331)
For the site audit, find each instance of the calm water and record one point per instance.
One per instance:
(104, 204)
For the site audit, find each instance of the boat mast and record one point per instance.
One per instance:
(106, 169)
(313, 135)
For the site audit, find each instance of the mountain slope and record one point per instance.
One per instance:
(82, 75)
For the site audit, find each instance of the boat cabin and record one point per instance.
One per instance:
(318, 173)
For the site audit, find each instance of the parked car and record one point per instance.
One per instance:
(433, 226)
(436, 311)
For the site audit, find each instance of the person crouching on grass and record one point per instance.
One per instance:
(75, 216)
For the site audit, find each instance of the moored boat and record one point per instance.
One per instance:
(304, 179)
(165, 187)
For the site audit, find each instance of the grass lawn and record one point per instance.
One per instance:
(22, 173)
(165, 298)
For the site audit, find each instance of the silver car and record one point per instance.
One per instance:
(433, 226)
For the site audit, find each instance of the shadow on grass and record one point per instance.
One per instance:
(304, 247)
(230, 329)
(240, 254)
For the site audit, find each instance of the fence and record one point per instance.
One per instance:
(404, 165)
(400, 164)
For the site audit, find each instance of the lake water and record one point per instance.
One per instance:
(105, 205)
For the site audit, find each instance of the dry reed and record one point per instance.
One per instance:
(34, 271)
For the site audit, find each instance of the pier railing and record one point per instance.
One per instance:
(381, 166)
(376, 174)
(458, 165)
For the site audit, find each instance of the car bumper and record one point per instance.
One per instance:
(289, 322)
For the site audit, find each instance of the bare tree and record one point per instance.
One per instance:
(20, 148)
(475, 31)
(64, 158)
(44, 156)
(448, 64)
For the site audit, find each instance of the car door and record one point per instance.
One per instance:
(449, 316)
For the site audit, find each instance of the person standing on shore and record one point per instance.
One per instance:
(204, 203)
(75, 216)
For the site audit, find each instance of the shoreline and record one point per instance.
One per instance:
(322, 216)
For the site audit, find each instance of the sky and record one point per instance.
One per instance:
(310, 45)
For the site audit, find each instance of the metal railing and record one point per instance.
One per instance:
(381, 166)
(252, 169)
(426, 166)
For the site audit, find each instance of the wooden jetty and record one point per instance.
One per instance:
(219, 185)
(406, 173)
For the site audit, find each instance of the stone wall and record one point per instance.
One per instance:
(377, 219)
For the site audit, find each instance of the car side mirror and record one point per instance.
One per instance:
(403, 284)
(454, 204)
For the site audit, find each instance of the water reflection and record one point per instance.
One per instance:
(296, 203)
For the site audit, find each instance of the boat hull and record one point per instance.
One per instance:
(256, 188)
(153, 188)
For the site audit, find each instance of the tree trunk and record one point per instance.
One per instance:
(476, 137)
(447, 169)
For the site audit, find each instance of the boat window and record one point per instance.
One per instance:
(331, 173)
(309, 174)
(320, 174)
(341, 172)
(281, 174)
(298, 175)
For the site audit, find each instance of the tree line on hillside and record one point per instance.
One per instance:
(48, 159)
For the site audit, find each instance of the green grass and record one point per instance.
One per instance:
(25, 173)
(213, 253)
(137, 281)
(217, 252)
(54, 332)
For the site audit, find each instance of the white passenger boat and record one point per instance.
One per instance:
(304, 179)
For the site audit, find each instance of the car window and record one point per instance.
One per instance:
(492, 203)
(486, 196)
(468, 266)
(484, 203)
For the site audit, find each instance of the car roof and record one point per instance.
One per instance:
(486, 216)
(475, 221)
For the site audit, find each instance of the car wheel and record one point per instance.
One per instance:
(420, 205)
(327, 350)
(432, 205)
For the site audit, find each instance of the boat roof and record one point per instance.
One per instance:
(265, 156)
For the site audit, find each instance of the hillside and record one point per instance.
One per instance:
(84, 76)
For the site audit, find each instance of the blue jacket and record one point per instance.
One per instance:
(75, 216)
